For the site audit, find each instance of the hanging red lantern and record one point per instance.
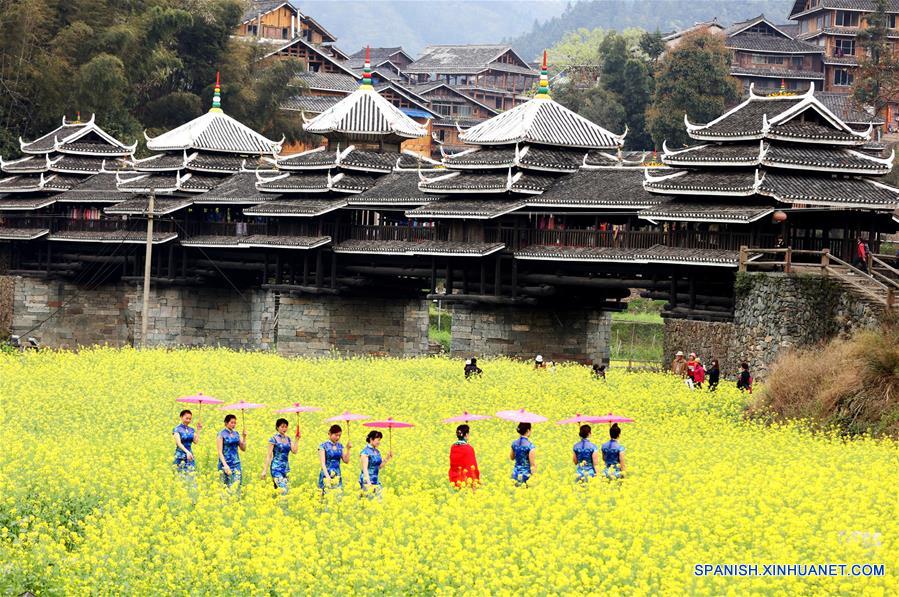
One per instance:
(779, 217)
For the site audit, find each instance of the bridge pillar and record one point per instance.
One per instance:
(559, 334)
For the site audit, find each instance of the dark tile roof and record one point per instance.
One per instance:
(693, 211)
(452, 122)
(30, 164)
(398, 188)
(830, 158)
(239, 188)
(100, 188)
(654, 254)
(607, 157)
(62, 182)
(295, 207)
(113, 236)
(352, 183)
(47, 143)
(160, 162)
(7, 233)
(315, 159)
(140, 205)
(378, 55)
(456, 208)
(295, 182)
(730, 153)
(607, 187)
(776, 73)
(284, 241)
(426, 247)
(219, 162)
(14, 203)
(465, 182)
(329, 81)
(95, 149)
(138, 183)
(369, 161)
(842, 105)
(81, 164)
(841, 60)
(771, 43)
(481, 158)
(740, 183)
(200, 182)
(459, 58)
(551, 160)
(748, 119)
(794, 129)
(211, 240)
(557, 252)
(409, 161)
(835, 191)
(22, 184)
(311, 104)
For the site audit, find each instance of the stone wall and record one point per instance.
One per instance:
(204, 316)
(6, 293)
(558, 334)
(773, 312)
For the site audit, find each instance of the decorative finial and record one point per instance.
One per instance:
(78, 117)
(543, 89)
(783, 91)
(217, 94)
(366, 71)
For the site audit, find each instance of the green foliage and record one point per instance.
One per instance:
(743, 283)
(136, 65)
(692, 79)
(877, 78)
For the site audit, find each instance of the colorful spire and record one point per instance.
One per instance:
(78, 117)
(366, 71)
(543, 89)
(217, 94)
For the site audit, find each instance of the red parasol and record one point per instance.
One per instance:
(242, 406)
(298, 408)
(610, 418)
(465, 417)
(199, 399)
(578, 418)
(521, 416)
(346, 416)
(389, 424)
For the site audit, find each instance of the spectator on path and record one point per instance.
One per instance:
(861, 255)
(599, 371)
(471, 368)
(613, 454)
(679, 365)
(714, 375)
(538, 362)
(463, 471)
(744, 382)
(688, 369)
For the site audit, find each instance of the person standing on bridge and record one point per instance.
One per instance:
(861, 254)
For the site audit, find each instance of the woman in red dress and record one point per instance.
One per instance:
(463, 469)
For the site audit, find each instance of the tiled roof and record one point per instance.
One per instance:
(74, 164)
(7, 233)
(529, 157)
(842, 105)
(329, 81)
(95, 149)
(686, 182)
(655, 254)
(25, 184)
(860, 5)
(47, 143)
(837, 192)
(140, 206)
(776, 73)
(353, 183)
(795, 129)
(747, 119)
(399, 188)
(295, 207)
(465, 182)
(459, 58)
(368, 161)
(30, 164)
(620, 188)
(239, 188)
(199, 183)
(217, 132)
(13, 203)
(364, 113)
(824, 158)
(841, 60)
(218, 162)
(310, 104)
(690, 211)
(129, 237)
(257, 7)
(472, 209)
(428, 247)
(160, 162)
(62, 182)
(284, 241)
(714, 153)
(100, 188)
(145, 183)
(481, 159)
(295, 182)
(541, 121)
(314, 159)
(770, 43)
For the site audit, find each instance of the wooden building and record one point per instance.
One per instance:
(268, 20)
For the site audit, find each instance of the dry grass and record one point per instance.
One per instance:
(850, 384)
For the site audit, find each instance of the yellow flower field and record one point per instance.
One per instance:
(88, 502)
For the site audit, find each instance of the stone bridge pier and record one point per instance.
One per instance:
(559, 334)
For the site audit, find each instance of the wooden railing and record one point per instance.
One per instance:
(872, 284)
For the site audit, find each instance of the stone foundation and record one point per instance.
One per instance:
(773, 313)
(524, 332)
(192, 316)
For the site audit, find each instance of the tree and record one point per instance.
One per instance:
(652, 45)
(877, 78)
(693, 79)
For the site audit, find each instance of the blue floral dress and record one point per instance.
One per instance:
(187, 439)
(230, 445)
(333, 458)
(280, 466)
(521, 471)
(374, 467)
(584, 451)
(611, 456)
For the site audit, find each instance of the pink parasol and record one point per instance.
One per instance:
(521, 416)
(199, 399)
(298, 408)
(242, 406)
(389, 424)
(578, 418)
(346, 416)
(465, 417)
(610, 418)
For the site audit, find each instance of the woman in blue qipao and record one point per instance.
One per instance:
(330, 454)
(585, 455)
(523, 455)
(613, 454)
(372, 463)
(185, 437)
(228, 441)
(280, 447)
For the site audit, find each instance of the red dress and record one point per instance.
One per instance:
(463, 465)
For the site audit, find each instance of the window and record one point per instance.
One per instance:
(891, 21)
(844, 47)
(842, 77)
(803, 26)
(796, 63)
(844, 18)
(285, 33)
(820, 23)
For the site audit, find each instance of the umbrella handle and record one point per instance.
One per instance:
(390, 439)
